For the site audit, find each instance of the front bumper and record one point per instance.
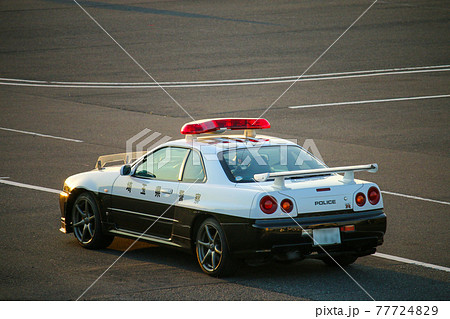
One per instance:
(281, 236)
(63, 202)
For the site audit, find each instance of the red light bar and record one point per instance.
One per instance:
(207, 126)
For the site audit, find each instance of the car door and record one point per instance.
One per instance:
(143, 202)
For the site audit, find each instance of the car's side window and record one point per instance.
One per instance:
(163, 164)
(193, 169)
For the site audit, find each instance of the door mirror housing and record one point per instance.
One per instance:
(125, 170)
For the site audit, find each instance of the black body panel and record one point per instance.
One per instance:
(141, 216)
(66, 201)
(245, 237)
(278, 235)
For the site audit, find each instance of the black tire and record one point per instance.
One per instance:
(212, 251)
(86, 223)
(342, 260)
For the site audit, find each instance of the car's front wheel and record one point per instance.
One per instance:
(212, 251)
(87, 224)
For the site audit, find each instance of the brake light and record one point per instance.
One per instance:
(268, 204)
(360, 199)
(373, 195)
(207, 126)
(286, 205)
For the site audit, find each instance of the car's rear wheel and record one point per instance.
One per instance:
(87, 224)
(342, 260)
(212, 251)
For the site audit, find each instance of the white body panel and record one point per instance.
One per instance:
(96, 181)
(219, 195)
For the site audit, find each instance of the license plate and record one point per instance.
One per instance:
(326, 236)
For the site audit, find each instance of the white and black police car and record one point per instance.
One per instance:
(228, 198)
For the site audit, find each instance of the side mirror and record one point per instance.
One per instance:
(125, 170)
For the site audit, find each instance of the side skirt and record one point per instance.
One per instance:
(143, 237)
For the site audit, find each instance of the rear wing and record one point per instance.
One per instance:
(349, 175)
(117, 159)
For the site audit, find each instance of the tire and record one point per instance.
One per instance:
(86, 223)
(212, 251)
(342, 260)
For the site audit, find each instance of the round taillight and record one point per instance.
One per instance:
(360, 199)
(373, 195)
(268, 204)
(286, 205)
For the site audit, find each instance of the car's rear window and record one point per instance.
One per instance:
(242, 164)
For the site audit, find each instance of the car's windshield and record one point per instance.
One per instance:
(241, 165)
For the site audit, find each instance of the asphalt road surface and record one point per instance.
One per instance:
(365, 85)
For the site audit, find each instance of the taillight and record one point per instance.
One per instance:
(348, 228)
(286, 205)
(373, 195)
(268, 204)
(360, 199)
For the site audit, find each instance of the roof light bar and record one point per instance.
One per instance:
(213, 125)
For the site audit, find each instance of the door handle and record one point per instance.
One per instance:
(167, 191)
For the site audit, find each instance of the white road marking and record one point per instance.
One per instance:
(410, 261)
(416, 197)
(232, 82)
(39, 188)
(41, 135)
(373, 101)
(394, 71)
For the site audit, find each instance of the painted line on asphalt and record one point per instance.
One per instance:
(45, 189)
(38, 188)
(410, 261)
(230, 82)
(372, 101)
(395, 71)
(41, 135)
(416, 197)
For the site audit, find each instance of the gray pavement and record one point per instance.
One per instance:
(179, 41)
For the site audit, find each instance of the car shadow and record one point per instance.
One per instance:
(367, 279)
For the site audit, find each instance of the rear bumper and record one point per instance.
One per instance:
(279, 236)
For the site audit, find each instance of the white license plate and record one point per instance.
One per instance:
(326, 236)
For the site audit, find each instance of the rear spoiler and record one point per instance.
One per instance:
(349, 175)
(118, 159)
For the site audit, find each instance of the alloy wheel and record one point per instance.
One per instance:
(209, 248)
(84, 220)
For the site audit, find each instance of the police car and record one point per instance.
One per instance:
(228, 197)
